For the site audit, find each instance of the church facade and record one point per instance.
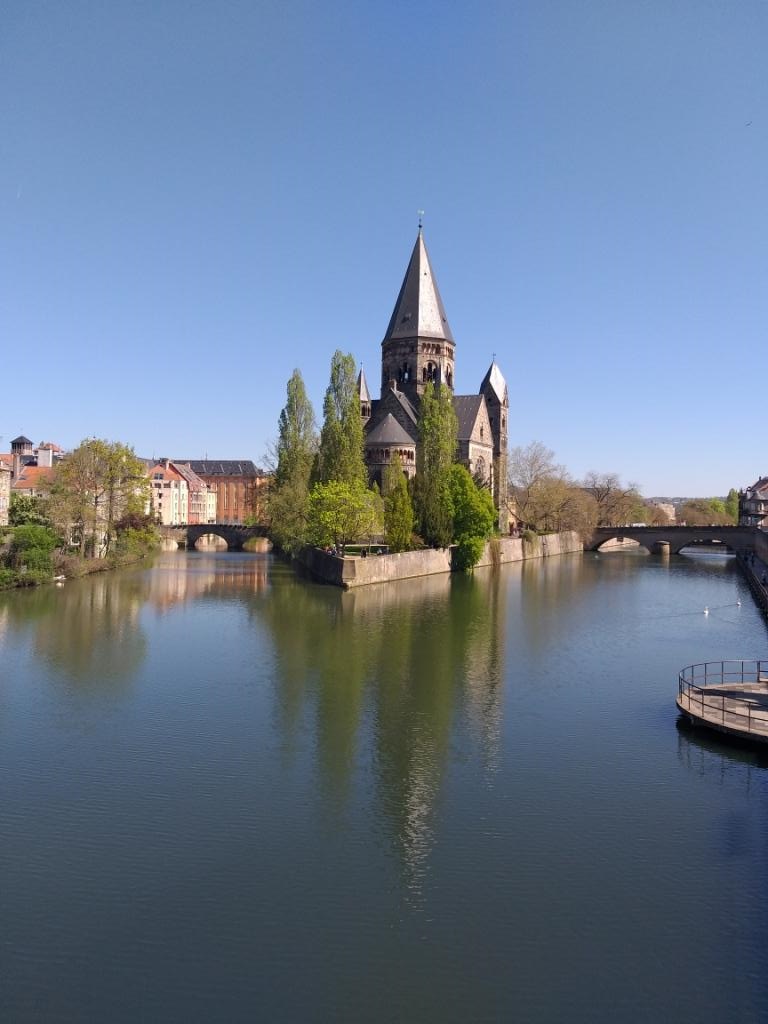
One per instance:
(419, 348)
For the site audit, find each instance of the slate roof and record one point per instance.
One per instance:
(419, 310)
(407, 405)
(21, 440)
(219, 467)
(467, 408)
(495, 379)
(362, 387)
(389, 431)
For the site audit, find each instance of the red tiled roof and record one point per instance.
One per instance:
(166, 474)
(32, 476)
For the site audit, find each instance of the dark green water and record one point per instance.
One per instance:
(230, 795)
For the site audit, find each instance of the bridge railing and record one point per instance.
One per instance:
(696, 684)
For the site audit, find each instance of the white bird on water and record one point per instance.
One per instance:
(706, 611)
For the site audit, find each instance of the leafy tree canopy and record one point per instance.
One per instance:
(398, 510)
(297, 440)
(26, 510)
(438, 429)
(340, 513)
(340, 456)
(474, 517)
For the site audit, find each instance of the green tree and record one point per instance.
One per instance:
(705, 512)
(94, 486)
(474, 517)
(31, 550)
(340, 513)
(287, 503)
(438, 430)
(732, 505)
(297, 439)
(26, 510)
(340, 456)
(398, 510)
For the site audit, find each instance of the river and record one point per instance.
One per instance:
(230, 794)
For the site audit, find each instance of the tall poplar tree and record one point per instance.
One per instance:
(398, 511)
(297, 440)
(438, 430)
(340, 456)
(287, 504)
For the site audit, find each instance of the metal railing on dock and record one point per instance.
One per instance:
(729, 695)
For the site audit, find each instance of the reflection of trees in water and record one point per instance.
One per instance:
(412, 653)
(90, 628)
(548, 588)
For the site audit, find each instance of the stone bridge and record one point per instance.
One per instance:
(738, 539)
(235, 534)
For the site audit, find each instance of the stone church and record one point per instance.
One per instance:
(418, 347)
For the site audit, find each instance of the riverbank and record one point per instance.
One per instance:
(754, 566)
(357, 571)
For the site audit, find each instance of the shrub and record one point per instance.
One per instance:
(467, 552)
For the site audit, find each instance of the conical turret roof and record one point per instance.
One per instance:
(389, 431)
(362, 387)
(494, 380)
(419, 311)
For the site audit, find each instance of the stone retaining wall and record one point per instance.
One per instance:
(357, 572)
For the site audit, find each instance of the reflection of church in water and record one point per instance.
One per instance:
(418, 348)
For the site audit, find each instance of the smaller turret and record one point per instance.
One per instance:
(494, 389)
(365, 397)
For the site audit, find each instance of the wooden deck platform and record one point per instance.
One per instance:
(739, 709)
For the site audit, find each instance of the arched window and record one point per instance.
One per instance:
(480, 468)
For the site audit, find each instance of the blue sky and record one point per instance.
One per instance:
(197, 197)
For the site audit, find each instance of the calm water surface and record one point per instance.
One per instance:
(227, 794)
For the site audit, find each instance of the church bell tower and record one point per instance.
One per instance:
(418, 346)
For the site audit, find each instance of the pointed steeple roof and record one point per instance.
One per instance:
(494, 380)
(419, 311)
(362, 387)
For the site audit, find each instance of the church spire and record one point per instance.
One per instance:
(418, 348)
(419, 310)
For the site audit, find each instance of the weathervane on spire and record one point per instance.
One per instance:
(421, 218)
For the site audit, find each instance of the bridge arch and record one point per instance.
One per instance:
(712, 543)
(604, 543)
(737, 539)
(234, 534)
(208, 540)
